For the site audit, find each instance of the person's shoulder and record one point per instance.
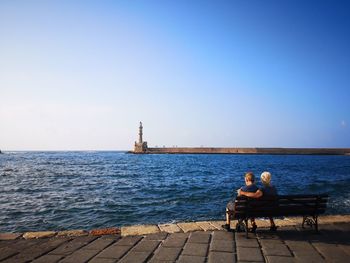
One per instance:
(252, 188)
(268, 190)
(262, 187)
(255, 187)
(244, 188)
(274, 189)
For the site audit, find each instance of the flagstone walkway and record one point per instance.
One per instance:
(288, 244)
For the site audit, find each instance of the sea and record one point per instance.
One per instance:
(98, 189)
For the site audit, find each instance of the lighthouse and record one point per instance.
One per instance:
(140, 146)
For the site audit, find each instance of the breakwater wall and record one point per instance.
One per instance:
(215, 150)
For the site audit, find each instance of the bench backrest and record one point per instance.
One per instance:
(282, 205)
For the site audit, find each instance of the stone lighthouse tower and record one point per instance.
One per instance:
(140, 146)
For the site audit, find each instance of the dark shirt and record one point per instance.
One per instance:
(268, 190)
(250, 188)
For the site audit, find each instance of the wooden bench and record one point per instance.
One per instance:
(308, 206)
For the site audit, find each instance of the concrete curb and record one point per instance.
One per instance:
(183, 227)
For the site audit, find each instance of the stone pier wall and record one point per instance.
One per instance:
(214, 150)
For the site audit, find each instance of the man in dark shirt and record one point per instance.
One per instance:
(249, 187)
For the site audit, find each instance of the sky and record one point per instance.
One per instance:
(81, 75)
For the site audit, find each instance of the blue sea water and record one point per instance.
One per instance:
(85, 190)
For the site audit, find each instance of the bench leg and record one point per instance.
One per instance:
(316, 223)
(304, 219)
(312, 222)
(240, 225)
(246, 227)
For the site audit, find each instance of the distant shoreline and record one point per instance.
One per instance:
(234, 150)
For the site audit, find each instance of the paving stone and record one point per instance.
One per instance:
(286, 222)
(246, 242)
(47, 246)
(189, 227)
(191, 259)
(220, 245)
(72, 233)
(19, 258)
(206, 226)
(111, 237)
(267, 235)
(270, 243)
(331, 252)
(309, 259)
(242, 235)
(219, 235)
(217, 224)
(73, 245)
(333, 219)
(48, 259)
(99, 244)
(10, 236)
(221, 257)
(15, 247)
(199, 237)
(195, 249)
(345, 248)
(80, 256)
(113, 252)
(129, 241)
(279, 259)
(276, 250)
(42, 234)
(105, 231)
(153, 260)
(7, 252)
(33, 252)
(175, 240)
(134, 257)
(290, 233)
(146, 245)
(7, 243)
(169, 228)
(139, 230)
(249, 254)
(22, 244)
(167, 253)
(179, 235)
(157, 236)
(262, 223)
(334, 234)
(342, 226)
(302, 249)
(336, 227)
(102, 260)
(16, 260)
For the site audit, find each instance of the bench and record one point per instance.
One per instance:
(308, 206)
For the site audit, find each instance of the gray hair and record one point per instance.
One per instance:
(265, 178)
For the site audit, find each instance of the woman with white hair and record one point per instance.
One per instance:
(266, 190)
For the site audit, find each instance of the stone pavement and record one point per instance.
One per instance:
(288, 244)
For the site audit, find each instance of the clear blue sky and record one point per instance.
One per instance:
(80, 75)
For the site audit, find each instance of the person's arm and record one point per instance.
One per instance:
(257, 194)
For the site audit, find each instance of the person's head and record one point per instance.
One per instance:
(249, 178)
(266, 178)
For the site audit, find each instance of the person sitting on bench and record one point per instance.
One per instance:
(249, 187)
(266, 190)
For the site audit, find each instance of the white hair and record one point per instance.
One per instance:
(265, 177)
